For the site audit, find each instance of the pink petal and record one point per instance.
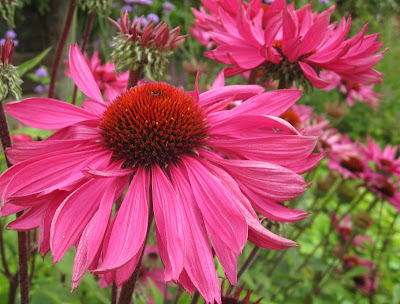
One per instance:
(92, 237)
(217, 205)
(29, 220)
(272, 103)
(76, 211)
(54, 172)
(240, 91)
(95, 107)
(265, 179)
(47, 113)
(28, 150)
(265, 238)
(130, 224)
(312, 75)
(82, 75)
(199, 263)
(170, 221)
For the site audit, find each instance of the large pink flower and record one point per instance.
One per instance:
(199, 168)
(287, 44)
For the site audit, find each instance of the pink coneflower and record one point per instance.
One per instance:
(348, 159)
(289, 45)
(352, 90)
(199, 168)
(106, 79)
(305, 120)
(385, 187)
(385, 160)
(345, 230)
(366, 283)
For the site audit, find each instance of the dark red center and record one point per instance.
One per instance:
(353, 164)
(153, 123)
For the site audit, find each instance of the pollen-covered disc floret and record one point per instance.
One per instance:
(153, 123)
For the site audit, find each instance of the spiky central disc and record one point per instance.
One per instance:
(153, 123)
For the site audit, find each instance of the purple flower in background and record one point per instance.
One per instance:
(144, 2)
(41, 73)
(168, 8)
(153, 17)
(324, 1)
(39, 89)
(268, 1)
(2, 41)
(11, 34)
(127, 8)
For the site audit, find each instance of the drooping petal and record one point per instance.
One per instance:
(130, 224)
(170, 220)
(217, 205)
(199, 262)
(92, 237)
(77, 210)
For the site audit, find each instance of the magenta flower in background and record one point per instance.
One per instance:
(287, 44)
(386, 160)
(345, 230)
(348, 159)
(352, 90)
(207, 169)
(105, 76)
(368, 282)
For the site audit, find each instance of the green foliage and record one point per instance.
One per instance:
(25, 67)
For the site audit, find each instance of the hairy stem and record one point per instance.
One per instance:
(134, 76)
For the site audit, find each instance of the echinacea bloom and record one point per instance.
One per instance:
(352, 90)
(348, 159)
(305, 120)
(105, 76)
(384, 187)
(366, 283)
(385, 160)
(201, 169)
(288, 45)
(345, 231)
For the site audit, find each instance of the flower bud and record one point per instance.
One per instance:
(9, 79)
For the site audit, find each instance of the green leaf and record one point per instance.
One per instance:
(396, 294)
(356, 271)
(30, 64)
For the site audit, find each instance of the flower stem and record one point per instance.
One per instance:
(88, 27)
(253, 76)
(134, 76)
(4, 133)
(382, 250)
(22, 240)
(196, 297)
(114, 290)
(326, 237)
(248, 261)
(60, 46)
(129, 286)
(325, 201)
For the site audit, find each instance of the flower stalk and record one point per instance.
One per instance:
(60, 46)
